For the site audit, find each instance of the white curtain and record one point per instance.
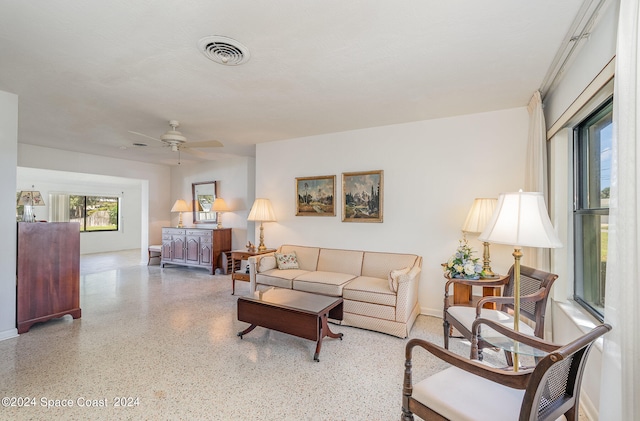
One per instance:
(59, 207)
(535, 178)
(620, 387)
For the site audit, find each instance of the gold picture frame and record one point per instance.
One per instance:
(362, 196)
(315, 196)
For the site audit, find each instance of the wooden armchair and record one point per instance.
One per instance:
(472, 391)
(535, 286)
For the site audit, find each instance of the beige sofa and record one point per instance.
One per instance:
(366, 281)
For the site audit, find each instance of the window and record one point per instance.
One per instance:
(94, 213)
(592, 164)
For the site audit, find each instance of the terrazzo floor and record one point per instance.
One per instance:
(160, 344)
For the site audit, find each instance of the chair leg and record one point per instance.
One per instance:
(509, 358)
(406, 415)
(447, 327)
(572, 414)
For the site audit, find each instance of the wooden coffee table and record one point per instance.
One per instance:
(297, 313)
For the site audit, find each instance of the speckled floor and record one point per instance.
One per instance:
(163, 343)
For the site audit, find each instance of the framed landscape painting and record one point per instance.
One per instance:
(362, 194)
(315, 196)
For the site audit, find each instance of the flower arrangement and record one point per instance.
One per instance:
(462, 264)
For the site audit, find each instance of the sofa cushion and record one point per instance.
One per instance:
(287, 260)
(327, 283)
(370, 290)
(267, 263)
(394, 275)
(378, 265)
(307, 256)
(340, 261)
(279, 278)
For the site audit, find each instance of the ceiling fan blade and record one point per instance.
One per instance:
(144, 135)
(205, 144)
(193, 152)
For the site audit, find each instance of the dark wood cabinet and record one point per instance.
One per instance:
(198, 247)
(48, 272)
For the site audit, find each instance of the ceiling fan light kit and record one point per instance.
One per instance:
(178, 142)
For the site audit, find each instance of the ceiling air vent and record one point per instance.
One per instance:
(224, 50)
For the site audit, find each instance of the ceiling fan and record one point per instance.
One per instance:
(174, 139)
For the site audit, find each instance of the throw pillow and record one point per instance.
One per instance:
(394, 275)
(287, 261)
(267, 263)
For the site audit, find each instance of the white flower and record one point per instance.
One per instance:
(469, 268)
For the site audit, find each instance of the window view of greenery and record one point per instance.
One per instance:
(94, 213)
(591, 212)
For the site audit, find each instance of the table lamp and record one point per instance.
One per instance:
(28, 199)
(520, 220)
(479, 215)
(219, 206)
(180, 206)
(263, 212)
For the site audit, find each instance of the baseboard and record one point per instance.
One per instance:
(435, 312)
(8, 334)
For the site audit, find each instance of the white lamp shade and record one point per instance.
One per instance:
(479, 215)
(521, 220)
(219, 205)
(180, 206)
(262, 211)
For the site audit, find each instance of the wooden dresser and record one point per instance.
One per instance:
(199, 247)
(48, 272)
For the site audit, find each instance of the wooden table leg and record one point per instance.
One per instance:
(247, 330)
(324, 331)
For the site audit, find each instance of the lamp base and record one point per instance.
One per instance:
(487, 273)
(27, 214)
(261, 246)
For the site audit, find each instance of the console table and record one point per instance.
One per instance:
(198, 247)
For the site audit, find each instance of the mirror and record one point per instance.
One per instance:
(203, 194)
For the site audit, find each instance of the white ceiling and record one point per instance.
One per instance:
(87, 72)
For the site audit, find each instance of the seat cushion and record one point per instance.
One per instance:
(328, 283)
(467, 315)
(279, 278)
(369, 290)
(458, 395)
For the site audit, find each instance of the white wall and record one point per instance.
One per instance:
(8, 159)
(148, 184)
(132, 219)
(432, 172)
(235, 179)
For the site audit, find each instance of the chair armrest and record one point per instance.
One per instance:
(536, 296)
(532, 341)
(516, 380)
